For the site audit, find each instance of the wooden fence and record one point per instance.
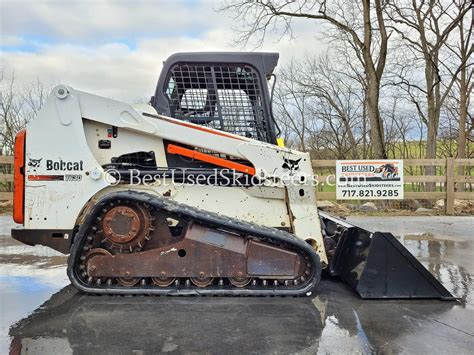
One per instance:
(447, 177)
(6, 177)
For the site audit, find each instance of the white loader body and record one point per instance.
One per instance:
(64, 166)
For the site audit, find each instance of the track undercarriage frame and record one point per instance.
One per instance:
(185, 251)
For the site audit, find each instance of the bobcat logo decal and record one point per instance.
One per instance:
(291, 165)
(34, 163)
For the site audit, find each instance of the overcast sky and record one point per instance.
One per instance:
(116, 48)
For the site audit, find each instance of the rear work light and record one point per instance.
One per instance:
(19, 178)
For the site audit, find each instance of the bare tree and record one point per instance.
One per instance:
(399, 128)
(461, 50)
(291, 103)
(329, 140)
(424, 28)
(12, 118)
(34, 95)
(337, 94)
(18, 106)
(366, 35)
(319, 108)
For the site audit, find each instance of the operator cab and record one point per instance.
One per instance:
(226, 91)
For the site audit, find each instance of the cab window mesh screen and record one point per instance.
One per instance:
(226, 97)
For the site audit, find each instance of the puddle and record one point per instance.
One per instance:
(430, 236)
(28, 277)
(23, 289)
(451, 262)
(41, 312)
(334, 321)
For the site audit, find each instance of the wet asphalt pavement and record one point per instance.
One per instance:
(41, 313)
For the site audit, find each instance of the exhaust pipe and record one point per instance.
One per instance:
(377, 265)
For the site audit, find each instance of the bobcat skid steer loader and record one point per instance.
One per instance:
(192, 194)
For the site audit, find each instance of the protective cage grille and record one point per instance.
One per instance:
(227, 97)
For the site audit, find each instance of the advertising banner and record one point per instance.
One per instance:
(369, 179)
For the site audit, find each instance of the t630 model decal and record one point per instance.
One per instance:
(67, 177)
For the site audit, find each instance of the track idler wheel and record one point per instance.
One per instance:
(91, 254)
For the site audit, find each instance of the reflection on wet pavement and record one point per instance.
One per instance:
(334, 321)
(453, 271)
(28, 277)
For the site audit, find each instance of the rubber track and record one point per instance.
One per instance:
(254, 231)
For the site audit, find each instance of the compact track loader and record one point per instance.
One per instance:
(191, 194)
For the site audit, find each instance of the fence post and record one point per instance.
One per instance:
(450, 186)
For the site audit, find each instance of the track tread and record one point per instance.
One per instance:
(268, 234)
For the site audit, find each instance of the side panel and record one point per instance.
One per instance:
(261, 205)
(61, 172)
(124, 142)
